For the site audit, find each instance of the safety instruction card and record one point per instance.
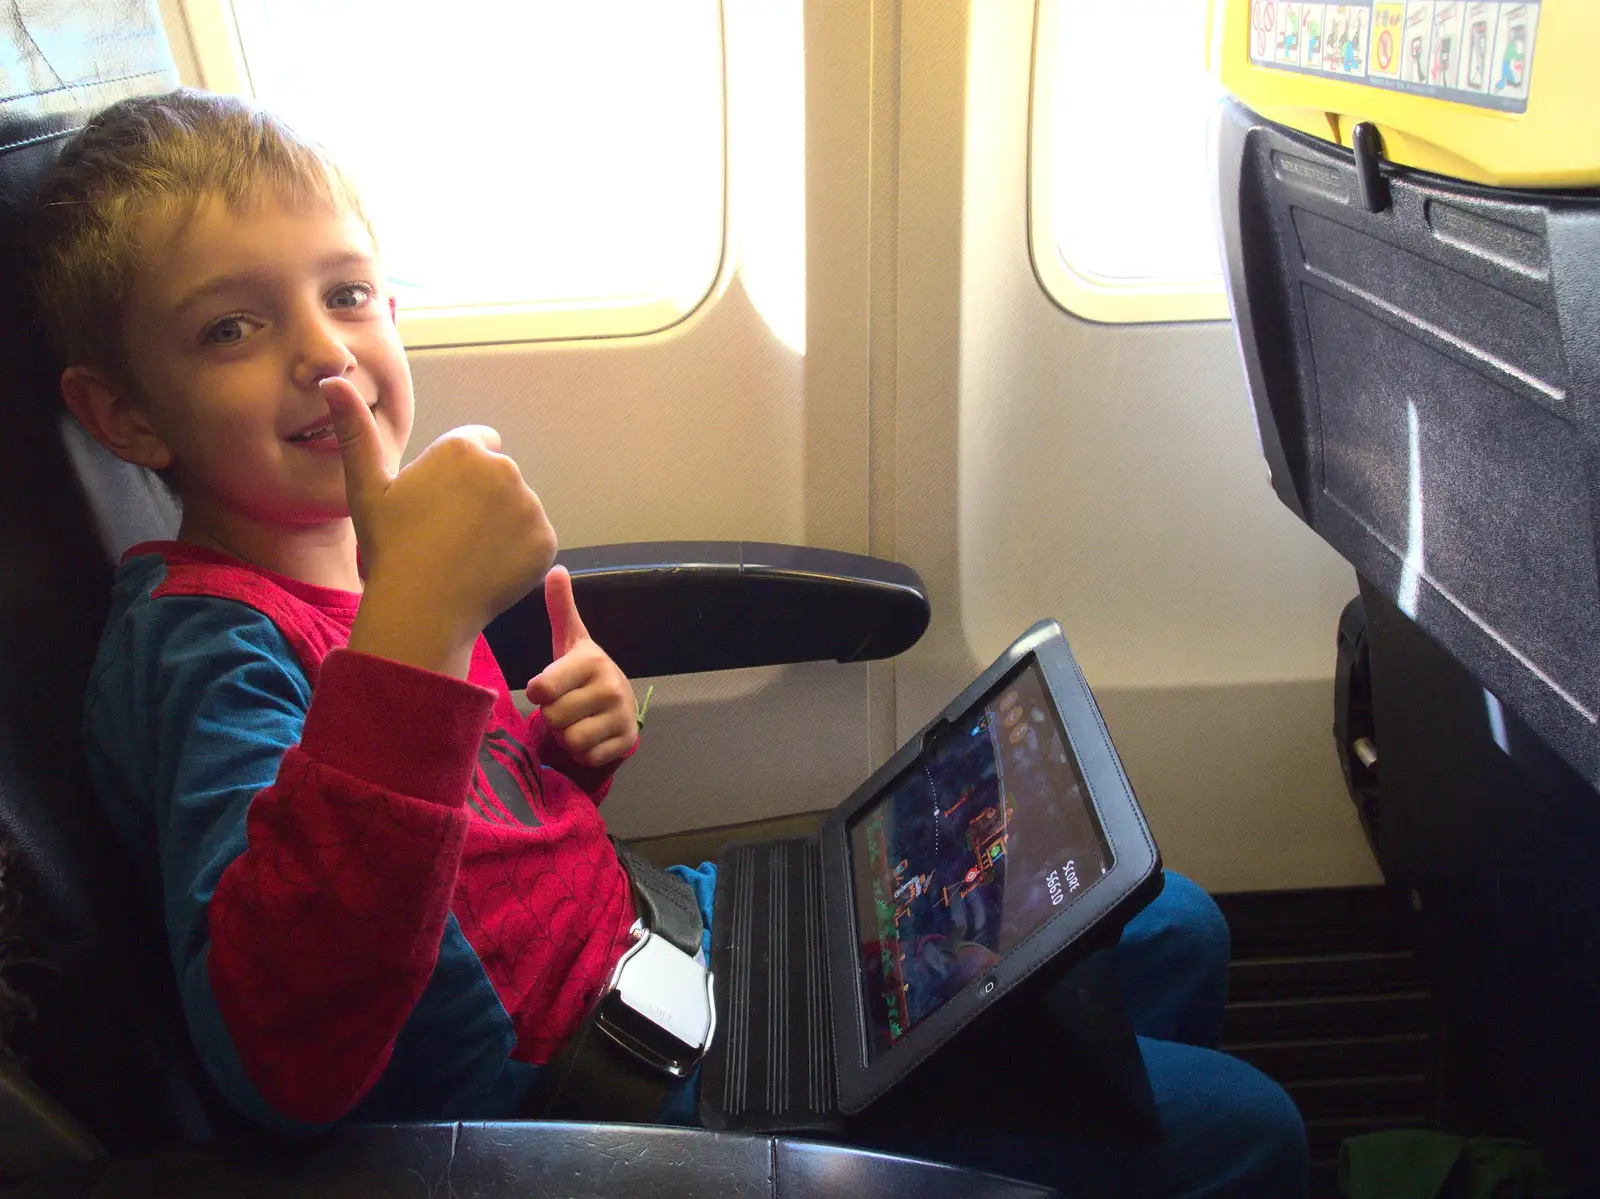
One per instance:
(1469, 51)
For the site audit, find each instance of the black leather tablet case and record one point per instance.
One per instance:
(771, 1063)
(1057, 1047)
(1071, 1065)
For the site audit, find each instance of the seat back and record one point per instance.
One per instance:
(1423, 366)
(97, 1025)
(1422, 357)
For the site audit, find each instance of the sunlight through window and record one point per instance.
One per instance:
(1122, 158)
(558, 162)
(767, 129)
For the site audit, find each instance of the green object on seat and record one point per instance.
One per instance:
(1397, 1165)
(1418, 1164)
(1501, 1169)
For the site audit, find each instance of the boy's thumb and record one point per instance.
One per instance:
(365, 475)
(566, 626)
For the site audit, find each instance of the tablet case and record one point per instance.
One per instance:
(771, 1065)
(774, 1064)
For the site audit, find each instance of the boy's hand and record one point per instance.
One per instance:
(586, 700)
(447, 544)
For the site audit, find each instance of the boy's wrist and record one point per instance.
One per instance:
(398, 627)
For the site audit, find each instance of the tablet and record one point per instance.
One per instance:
(999, 836)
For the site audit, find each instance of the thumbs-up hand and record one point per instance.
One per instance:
(447, 543)
(586, 700)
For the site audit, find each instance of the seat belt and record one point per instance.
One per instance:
(596, 1077)
(663, 901)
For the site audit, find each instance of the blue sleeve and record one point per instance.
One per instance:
(198, 702)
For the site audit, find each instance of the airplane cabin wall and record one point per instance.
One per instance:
(942, 411)
(1109, 476)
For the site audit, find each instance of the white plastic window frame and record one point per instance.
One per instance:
(220, 58)
(1081, 292)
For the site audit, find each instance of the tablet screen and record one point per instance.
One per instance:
(986, 837)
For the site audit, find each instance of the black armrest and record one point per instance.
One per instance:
(558, 1161)
(677, 607)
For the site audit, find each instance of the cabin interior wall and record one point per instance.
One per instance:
(1108, 476)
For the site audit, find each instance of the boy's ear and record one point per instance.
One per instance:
(394, 309)
(110, 415)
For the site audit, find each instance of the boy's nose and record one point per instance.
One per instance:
(320, 354)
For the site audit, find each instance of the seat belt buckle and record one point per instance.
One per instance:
(658, 1005)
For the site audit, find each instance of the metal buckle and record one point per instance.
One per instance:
(652, 1000)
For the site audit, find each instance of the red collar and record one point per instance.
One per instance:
(183, 553)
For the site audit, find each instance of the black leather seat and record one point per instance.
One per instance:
(530, 1161)
(99, 1059)
(104, 1036)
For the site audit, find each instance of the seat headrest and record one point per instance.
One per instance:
(106, 1038)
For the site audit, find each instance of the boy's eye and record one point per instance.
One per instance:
(350, 295)
(224, 332)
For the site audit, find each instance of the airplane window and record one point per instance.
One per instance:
(535, 168)
(1120, 176)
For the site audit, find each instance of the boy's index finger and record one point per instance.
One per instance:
(364, 471)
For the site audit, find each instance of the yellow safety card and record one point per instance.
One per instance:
(1467, 51)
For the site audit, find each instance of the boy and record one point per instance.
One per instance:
(388, 896)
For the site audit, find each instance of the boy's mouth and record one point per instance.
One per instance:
(320, 431)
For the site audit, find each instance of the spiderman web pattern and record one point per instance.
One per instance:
(340, 904)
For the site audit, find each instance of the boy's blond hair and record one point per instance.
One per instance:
(156, 156)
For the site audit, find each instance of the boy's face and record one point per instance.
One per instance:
(231, 324)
